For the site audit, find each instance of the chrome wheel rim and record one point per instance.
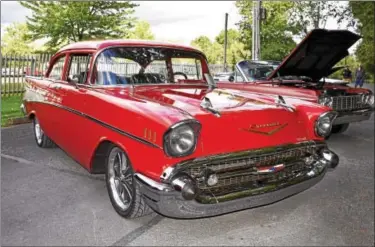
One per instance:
(38, 132)
(120, 178)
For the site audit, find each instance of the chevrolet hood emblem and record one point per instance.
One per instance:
(266, 129)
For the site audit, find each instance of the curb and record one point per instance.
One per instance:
(16, 121)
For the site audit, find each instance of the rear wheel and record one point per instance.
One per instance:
(42, 140)
(340, 128)
(122, 189)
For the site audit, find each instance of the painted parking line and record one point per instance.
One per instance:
(24, 161)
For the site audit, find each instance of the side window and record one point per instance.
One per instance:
(79, 67)
(57, 69)
(237, 76)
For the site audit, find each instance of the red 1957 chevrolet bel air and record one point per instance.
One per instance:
(179, 146)
(302, 75)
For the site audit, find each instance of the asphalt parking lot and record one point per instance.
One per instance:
(48, 199)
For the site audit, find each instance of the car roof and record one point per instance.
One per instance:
(101, 44)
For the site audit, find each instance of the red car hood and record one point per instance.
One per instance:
(242, 115)
(317, 54)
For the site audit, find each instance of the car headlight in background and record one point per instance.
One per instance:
(368, 99)
(181, 138)
(326, 101)
(323, 125)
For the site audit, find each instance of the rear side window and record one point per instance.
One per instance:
(57, 69)
(79, 67)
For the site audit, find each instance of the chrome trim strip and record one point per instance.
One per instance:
(127, 134)
(152, 183)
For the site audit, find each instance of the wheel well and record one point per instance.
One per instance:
(98, 160)
(31, 116)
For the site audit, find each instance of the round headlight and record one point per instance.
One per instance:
(323, 125)
(180, 140)
(370, 99)
(325, 100)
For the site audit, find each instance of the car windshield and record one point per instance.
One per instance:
(147, 65)
(255, 71)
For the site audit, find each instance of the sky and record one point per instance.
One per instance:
(177, 21)
(180, 21)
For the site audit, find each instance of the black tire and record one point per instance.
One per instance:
(41, 139)
(340, 128)
(136, 206)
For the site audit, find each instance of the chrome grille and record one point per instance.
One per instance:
(240, 171)
(345, 103)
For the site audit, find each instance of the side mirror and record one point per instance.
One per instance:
(231, 78)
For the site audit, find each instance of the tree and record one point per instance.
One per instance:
(307, 15)
(364, 13)
(213, 50)
(142, 30)
(15, 41)
(232, 37)
(276, 34)
(71, 21)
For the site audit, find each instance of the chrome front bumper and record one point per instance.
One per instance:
(166, 200)
(354, 116)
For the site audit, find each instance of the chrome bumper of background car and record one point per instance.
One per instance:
(354, 116)
(167, 201)
(23, 110)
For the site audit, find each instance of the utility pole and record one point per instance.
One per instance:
(258, 15)
(225, 41)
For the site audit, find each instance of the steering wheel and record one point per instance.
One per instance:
(180, 73)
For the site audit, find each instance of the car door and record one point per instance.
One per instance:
(49, 114)
(76, 131)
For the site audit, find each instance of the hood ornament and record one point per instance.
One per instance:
(281, 102)
(206, 104)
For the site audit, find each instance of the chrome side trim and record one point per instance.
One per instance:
(127, 134)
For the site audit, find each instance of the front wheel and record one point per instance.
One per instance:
(42, 140)
(122, 189)
(340, 128)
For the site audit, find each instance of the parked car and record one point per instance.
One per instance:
(223, 76)
(303, 74)
(179, 146)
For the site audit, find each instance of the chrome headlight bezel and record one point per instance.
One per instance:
(325, 100)
(191, 128)
(327, 117)
(369, 99)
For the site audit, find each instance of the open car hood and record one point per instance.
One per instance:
(315, 56)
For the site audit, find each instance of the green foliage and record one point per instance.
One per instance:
(15, 40)
(276, 34)
(232, 37)
(364, 13)
(349, 61)
(62, 22)
(212, 50)
(142, 30)
(307, 15)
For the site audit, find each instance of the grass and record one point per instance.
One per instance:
(10, 109)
